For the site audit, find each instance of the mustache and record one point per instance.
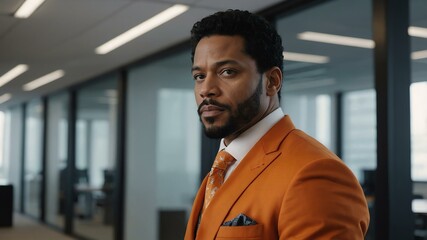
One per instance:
(210, 101)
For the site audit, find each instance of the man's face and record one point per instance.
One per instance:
(228, 88)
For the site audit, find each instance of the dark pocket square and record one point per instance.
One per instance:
(240, 220)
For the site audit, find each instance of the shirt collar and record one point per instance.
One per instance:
(240, 146)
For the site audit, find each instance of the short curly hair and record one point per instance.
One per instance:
(262, 42)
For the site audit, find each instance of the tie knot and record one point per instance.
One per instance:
(223, 160)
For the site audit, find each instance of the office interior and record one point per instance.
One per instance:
(113, 148)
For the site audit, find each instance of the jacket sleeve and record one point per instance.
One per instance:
(324, 201)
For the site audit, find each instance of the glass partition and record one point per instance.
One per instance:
(418, 98)
(95, 159)
(33, 158)
(163, 151)
(57, 147)
(13, 152)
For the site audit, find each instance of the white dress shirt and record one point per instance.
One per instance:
(240, 146)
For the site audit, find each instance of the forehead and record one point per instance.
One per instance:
(220, 47)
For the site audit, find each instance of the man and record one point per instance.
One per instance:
(282, 184)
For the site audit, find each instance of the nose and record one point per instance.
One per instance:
(209, 87)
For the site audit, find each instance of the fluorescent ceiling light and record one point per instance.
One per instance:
(13, 73)
(337, 39)
(5, 97)
(43, 80)
(142, 28)
(310, 83)
(419, 55)
(417, 32)
(301, 57)
(27, 8)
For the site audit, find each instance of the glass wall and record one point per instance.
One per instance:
(3, 165)
(33, 158)
(322, 72)
(359, 132)
(95, 159)
(418, 97)
(13, 152)
(163, 149)
(313, 113)
(57, 141)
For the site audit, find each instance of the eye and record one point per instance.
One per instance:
(228, 72)
(198, 77)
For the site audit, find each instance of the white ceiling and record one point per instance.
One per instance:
(62, 34)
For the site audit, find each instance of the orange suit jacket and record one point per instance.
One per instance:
(292, 186)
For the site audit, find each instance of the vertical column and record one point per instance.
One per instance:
(119, 188)
(392, 79)
(69, 183)
(44, 160)
(23, 141)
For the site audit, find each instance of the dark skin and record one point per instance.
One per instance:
(224, 73)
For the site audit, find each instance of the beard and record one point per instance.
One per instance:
(243, 114)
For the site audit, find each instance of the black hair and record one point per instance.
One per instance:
(262, 42)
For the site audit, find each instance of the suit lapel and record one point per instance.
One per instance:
(193, 220)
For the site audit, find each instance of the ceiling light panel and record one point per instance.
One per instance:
(43, 80)
(417, 32)
(13, 73)
(142, 28)
(28, 8)
(337, 39)
(419, 55)
(5, 97)
(302, 57)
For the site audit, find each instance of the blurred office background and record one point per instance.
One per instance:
(111, 146)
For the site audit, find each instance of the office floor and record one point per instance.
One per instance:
(25, 228)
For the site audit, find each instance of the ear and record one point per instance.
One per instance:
(274, 81)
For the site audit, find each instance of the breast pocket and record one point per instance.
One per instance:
(253, 232)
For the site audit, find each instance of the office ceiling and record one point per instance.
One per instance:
(63, 34)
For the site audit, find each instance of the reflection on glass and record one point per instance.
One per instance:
(33, 158)
(57, 140)
(95, 160)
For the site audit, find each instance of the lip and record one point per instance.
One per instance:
(210, 111)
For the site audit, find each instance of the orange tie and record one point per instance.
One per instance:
(222, 162)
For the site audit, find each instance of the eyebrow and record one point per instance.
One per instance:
(217, 64)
